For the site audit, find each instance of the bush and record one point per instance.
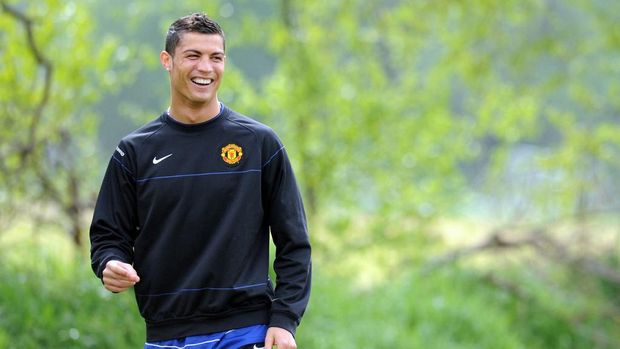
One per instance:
(49, 298)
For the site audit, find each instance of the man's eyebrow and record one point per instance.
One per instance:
(191, 50)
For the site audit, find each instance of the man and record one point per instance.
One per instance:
(186, 207)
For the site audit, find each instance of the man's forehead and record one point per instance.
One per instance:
(200, 42)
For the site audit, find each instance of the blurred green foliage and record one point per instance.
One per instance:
(49, 299)
(50, 78)
(398, 115)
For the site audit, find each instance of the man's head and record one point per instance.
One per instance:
(195, 60)
(194, 23)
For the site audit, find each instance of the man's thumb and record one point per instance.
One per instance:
(269, 342)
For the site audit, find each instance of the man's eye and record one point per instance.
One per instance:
(193, 56)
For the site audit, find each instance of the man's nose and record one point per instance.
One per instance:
(205, 65)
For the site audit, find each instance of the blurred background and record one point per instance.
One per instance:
(459, 162)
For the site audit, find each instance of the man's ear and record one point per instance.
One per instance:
(166, 60)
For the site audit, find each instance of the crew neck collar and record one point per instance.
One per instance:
(169, 119)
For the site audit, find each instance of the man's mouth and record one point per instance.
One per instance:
(202, 82)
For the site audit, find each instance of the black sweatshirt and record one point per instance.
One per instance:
(191, 207)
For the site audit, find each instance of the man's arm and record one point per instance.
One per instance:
(285, 211)
(113, 228)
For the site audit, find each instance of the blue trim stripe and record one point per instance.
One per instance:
(142, 180)
(273, 156)
(123, 167)
(202, 289)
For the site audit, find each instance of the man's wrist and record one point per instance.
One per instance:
(283, 321)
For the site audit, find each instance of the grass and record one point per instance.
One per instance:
(49, 298)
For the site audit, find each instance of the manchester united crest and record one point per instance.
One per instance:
(231, 154)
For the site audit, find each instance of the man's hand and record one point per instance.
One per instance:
(279, 337)
(119, 276)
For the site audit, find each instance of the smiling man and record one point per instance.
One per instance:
(186, 208)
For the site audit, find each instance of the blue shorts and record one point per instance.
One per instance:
(233, 339)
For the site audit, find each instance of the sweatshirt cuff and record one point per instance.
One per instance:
(283, 321)
(104, 261)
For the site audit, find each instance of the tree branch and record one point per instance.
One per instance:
(45, 63)
(540, 241)
(494, 241)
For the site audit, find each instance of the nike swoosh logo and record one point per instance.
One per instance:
(157, 161)
(255, 347)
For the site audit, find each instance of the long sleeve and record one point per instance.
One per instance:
(114, 228)
(287, 221)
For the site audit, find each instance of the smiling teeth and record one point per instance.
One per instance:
(200, 81)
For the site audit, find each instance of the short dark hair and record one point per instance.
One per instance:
(196, 22)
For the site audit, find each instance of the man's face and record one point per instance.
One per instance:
(197, 69)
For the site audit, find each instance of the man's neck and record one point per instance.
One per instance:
(194, 115)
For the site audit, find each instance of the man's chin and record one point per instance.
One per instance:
(201, 101)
